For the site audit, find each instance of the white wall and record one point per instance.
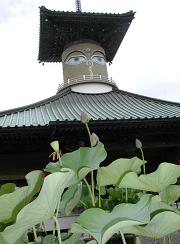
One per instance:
(93, 88)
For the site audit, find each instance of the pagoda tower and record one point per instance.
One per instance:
(84, 43)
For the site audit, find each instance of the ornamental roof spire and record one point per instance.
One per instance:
(78, 6)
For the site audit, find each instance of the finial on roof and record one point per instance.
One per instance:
(78, 5)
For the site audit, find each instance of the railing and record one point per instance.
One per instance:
(86, 78)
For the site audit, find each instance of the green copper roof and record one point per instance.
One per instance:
(67, 107)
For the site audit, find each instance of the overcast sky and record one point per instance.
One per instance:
(147, 62)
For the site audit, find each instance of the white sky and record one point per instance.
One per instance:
(147, 62)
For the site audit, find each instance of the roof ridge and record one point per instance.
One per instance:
(43, 8)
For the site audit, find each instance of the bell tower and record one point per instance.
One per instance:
(84, 43)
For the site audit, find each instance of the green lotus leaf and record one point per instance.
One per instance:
(103, 233)
(23, 239)
(165, 175)
(84, 160)
(157, 205)
(162, 224)
(102, 224)
(170, 194)
(53, 167)
(85, 199)
(7, 188)
(137, 240)
(70, 199)
(50, 239)
(72, 239)
(42, 208)
(2, 240)
(3, 226)
(81, 161)
(38, 241)
(12, 203)
(92, 242)
(113, 173)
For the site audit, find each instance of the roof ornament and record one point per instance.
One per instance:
(78, 6)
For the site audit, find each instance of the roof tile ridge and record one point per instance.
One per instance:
(50, 11)
(65, 92)
(158, 100)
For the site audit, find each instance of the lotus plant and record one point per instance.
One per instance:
(106, 198)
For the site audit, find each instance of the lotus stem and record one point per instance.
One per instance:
(54, 229)
(123, 238)
(137, 240)
(169, 238)
(122, 194)
(44, 228)
(89, 133)
(92, 173)
(83, 203)
(60, 161)
(99, 192)
(56, 215)
(144, 167)
(156, 241)
(92, 186)
(35, 234)
(90, 192)
(164, 240)
(99, 196)
(57, 209)
(58, 229)
(126, 190)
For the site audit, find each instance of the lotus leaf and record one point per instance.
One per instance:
(170, 194)
(2, 240)
(7, 188)
(84, 160)
(157, 205)
(70, 199)
(81, 161)
(165, 175)
(42, 208)
(102, 225)
(50, 239)
(53, 167)
(113, 173)
(162, 224)
(12, 203)
(72, 239)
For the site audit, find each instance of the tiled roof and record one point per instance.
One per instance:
(67, 107)
(59, 28)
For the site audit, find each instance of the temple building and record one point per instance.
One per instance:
(85, 43)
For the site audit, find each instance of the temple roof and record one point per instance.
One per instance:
(67, 106)
(59, 28)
